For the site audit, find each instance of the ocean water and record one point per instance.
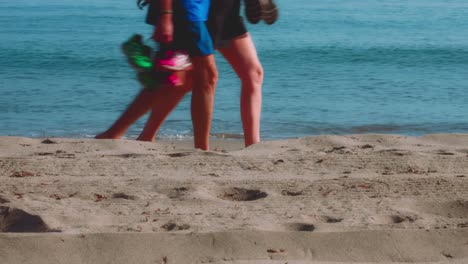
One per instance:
(331, 67)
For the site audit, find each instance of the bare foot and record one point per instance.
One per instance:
(142, 138)
(106, 135)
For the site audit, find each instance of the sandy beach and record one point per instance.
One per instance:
(322, 199)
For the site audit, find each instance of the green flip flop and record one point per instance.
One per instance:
(138, 54)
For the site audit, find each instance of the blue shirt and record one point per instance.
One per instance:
(197, 10)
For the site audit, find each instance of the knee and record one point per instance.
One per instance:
(206, 79)
(205, 74)
(253, 79)
(212, 77)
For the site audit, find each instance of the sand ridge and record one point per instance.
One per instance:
(377, 186)
(396, 246)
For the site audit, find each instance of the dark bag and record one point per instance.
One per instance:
(153, 12)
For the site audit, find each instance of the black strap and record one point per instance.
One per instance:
(142, 3)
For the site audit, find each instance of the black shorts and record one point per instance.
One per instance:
(225, 22)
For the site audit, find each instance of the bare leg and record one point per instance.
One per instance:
(166, 98)
(242, 56)
(162, 109)
(205, 77)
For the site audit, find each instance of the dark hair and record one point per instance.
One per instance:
(142, 3)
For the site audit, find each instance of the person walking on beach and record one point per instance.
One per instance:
(184, 19)
(162, 67)
(231, 38)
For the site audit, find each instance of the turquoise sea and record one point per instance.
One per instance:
(331, 67)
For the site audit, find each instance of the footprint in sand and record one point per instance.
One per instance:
(3, 200)
(171, 226)
(177, 193)
(328, 219)
(174, 193)
(291, 193)
(19, 221)
(44, 153)
(305, 227)
(390, 219)
(131, 155)
(444, 153)
(395, 152)
(179, 154)
(48, 141)
(449, 209)
(241, 194)
(123, 196)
